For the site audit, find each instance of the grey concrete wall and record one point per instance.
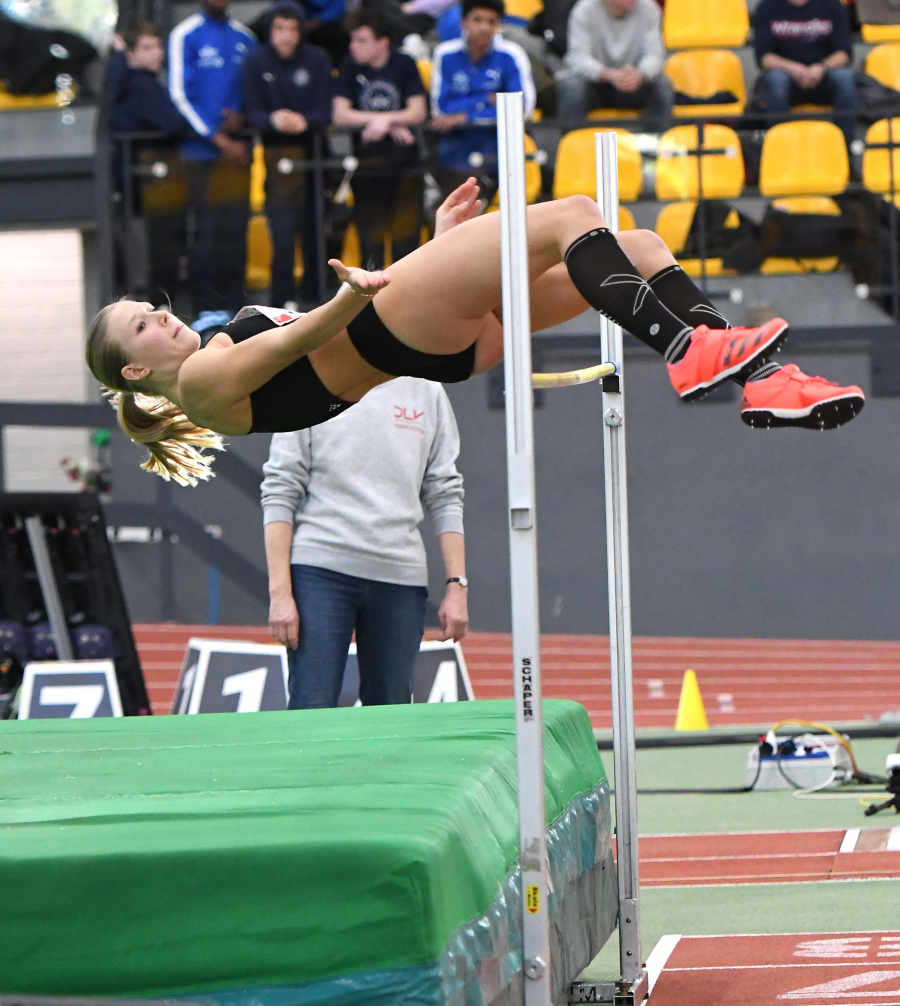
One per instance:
(734, 532)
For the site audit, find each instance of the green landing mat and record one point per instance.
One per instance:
(171, 855)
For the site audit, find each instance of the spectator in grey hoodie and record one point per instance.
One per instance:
(342, 504)
(615, 60)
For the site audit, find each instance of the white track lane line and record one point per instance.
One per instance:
(893, 842)
(851, 837)
(658, 957)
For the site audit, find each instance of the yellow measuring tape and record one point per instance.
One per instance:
(570, 377)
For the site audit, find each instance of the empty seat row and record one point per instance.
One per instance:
(798, 158)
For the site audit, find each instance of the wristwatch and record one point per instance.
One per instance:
(461, 580)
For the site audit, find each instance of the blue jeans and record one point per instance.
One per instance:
(578, 96)
(837, 88)
(389, 619)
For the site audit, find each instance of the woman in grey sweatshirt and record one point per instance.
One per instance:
(342, 505)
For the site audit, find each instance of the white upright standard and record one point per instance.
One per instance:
(631, 987)
(633, 976)
(526, 631)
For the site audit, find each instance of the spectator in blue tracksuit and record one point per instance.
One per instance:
(287, 90)
(806, 55)
(466, 75)
(206, 58)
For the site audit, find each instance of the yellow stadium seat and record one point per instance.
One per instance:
(876, 168)
(351, 255)
(533, 181)
(424, 66)
(626, 219)
(22, 102)
(701, 73)
(258, 274)
(257, 180)
(677, 170)
(614, 113)
(803, 204)
(804, 159)
(524, 10)
(575, 172)
(883, 63)
(259, 253)
(881, 32)
(688, 23)
(674, 224)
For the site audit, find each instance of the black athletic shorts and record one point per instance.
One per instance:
(380, 348)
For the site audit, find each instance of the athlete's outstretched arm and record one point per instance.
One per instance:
(212, 382)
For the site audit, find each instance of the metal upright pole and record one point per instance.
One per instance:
(523, 550)
(619, 581)
(56, 616)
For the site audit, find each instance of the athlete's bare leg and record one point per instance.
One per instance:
(447, 294)
(555, 300)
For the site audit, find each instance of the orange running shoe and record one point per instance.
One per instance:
(715, 354)
(791, 398)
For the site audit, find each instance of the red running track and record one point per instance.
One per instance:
(806, 969)
(787, 857)
(743, 681)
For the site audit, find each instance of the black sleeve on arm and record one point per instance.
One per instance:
(840, 38)
(157, 108)
(256, 103)
(343, 86)
(762, 33)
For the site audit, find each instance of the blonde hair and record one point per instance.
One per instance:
(175, 442)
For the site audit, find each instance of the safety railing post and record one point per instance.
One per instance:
(619, 583)
(523, 551)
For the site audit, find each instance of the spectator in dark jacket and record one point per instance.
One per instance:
(380, 90)
(805, 52)
(150, 234)
(287, 91)
(139, 102)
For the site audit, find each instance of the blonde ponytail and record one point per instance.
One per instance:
(175, 443)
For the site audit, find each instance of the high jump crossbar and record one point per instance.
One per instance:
(630, 988)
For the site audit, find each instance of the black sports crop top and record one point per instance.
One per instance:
(295, 398)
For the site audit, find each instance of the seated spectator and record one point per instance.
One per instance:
(408, 22)
(804, 49)
(380, 89)
(615, 60)
(287, 89)
(466, 75)
(138, 100)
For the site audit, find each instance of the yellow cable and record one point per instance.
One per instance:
(828, 730)
(570, 377)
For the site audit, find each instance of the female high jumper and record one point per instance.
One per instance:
(436, 315)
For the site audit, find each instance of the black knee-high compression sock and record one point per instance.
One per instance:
(677, 291)
(608, 280)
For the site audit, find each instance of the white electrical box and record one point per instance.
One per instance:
(805, 762)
